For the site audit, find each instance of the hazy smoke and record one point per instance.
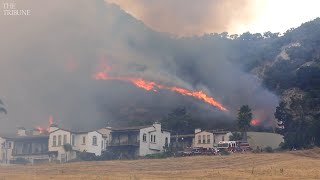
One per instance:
(188, 17)
(48, 59)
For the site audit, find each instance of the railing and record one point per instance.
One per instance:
(125, 143)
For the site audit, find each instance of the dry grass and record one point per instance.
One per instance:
(286, 165)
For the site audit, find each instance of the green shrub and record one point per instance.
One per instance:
(224, 152)
(268, 149)
(20, 160)
(157, 156)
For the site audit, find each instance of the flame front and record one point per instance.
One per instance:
(255, 122)
(150, 85)
(40, 129)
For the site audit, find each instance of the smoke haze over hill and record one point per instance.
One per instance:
(48, 60)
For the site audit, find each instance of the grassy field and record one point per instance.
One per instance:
(285, 165)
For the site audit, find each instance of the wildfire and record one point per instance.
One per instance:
(40, 129)
(150, 85)
(255, 122)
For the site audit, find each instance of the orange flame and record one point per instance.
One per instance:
(255, 122)
(150, 85)
(50, 122)
(40, 129)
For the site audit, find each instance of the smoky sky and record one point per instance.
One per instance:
(47, 62)
(188, 17)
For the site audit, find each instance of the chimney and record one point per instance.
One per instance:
(197, 130)
(53, 127)
(35, 132)
(157, 125)
(21, 131)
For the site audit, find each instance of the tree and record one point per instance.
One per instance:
(179, 120)
(235, 136)
(244, 120)
(2, 109)
(67, 148)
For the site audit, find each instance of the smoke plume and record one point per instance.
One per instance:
(48, 60)
(189, 17)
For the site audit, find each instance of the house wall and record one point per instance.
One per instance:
(148, 147)
(202, 140)
(94, 148)
(217, 137)
(5, 150)
(106, 137)
(62, 155)
(79, 144)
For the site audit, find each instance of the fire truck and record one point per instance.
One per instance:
(227, 145)
(233, 146)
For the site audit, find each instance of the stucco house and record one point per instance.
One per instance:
(31, 146)
(60, 139)
(106, 137)
(139, 141)
(209, 138)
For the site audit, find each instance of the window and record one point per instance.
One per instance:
(154, 138)
(204, 139)
(166, 141)
(73, 139)
(199, 139)
(59, 140)
(208, 139)
(214, 139)
(64, 139)
(102, 144)
(94, 140)
(54, 141)
(222, 138)
(83, 140)
(144, 137)
(151, 138)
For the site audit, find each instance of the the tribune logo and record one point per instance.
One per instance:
(10, 9)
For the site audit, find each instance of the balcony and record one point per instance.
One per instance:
(125, 143)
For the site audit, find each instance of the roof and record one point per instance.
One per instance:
(74, 132)
(182, 135)
(214, 131)
(133, 128)
(31, 137)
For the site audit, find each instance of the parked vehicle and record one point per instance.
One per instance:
(197, 151)
(234, 146)
(227, 145)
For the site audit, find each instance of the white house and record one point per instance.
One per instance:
(30, 146)
(209, 138)
(139, 141)
(106, 137)
(60, 139)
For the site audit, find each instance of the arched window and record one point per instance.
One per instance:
(59, 140)
(64, 139)
(144, 137)
(73, 140)
(54, 141)
(94, 140)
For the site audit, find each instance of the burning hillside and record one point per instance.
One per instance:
(151, 85)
